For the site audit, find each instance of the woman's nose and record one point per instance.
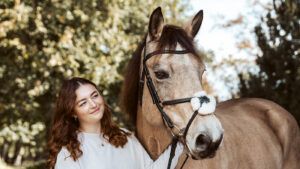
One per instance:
(92, 103)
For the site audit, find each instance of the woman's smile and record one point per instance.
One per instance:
(95, 111)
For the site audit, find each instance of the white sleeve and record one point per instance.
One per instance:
(64, 160)
(163, 159)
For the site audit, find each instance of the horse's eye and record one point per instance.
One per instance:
(161, 74)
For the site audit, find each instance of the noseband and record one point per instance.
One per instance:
(181, 135)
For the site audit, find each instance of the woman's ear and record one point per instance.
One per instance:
(194, 25)
(156, 24)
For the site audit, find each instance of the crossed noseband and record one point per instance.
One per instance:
(181, 133)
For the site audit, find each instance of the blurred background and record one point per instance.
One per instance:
(251, 47)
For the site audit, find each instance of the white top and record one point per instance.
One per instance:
(98, 153)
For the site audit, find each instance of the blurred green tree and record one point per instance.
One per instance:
(44, 42)
(278, 38)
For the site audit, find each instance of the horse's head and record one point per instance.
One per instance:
(170, 74)
(176, 75)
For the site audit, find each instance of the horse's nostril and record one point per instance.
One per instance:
(202, 141)
(205, 147)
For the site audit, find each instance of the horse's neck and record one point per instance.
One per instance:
(155, 139)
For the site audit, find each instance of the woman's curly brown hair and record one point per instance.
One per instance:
(65, 127)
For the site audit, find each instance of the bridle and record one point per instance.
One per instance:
(181, 135)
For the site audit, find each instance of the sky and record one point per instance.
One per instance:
(227, 24)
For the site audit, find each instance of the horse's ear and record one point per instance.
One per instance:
(193, 27)
(156, 24)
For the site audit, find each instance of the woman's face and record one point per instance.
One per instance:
(89, 104)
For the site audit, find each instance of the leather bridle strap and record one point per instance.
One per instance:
(203, 99)
(158, 52)
(175, 140)
(176, 101)
(156, 100)
(172, 153)
(145, 73)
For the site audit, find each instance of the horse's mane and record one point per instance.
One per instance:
(171, 35)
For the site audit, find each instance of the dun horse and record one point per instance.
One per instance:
(162, 77)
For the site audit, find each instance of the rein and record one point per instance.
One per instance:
(159, 104)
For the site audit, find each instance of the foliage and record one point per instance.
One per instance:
(279, 61)
(44, 42)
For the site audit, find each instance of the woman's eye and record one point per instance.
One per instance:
(81, 104)
(95, 96)
(161, 74)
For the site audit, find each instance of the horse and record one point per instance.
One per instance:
(164, 76)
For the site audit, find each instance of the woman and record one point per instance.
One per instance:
(83, 135)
